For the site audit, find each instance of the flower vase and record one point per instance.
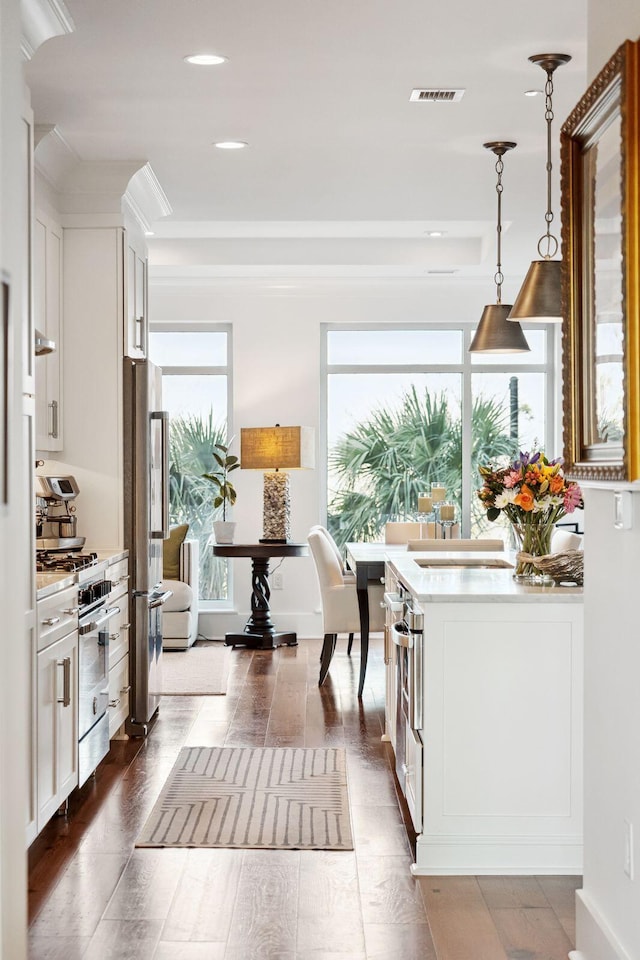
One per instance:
(534, 540)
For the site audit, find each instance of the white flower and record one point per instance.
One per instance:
(505, 498)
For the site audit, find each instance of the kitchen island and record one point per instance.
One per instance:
(488, 732)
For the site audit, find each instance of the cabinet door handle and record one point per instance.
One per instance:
(139, 321)
(125, 626)
(113, 637)
(72, 610)
(50, 621)
(114, 703)
(126, 689)
(65, 700)
(53, 407)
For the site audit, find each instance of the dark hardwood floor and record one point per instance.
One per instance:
(93, 895)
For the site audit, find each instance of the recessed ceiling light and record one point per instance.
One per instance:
(149, 233)
(434, 233)
(533, 93)
(231, 144)
(205, 59)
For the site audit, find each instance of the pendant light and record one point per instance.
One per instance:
(494, 333)
(540, 295)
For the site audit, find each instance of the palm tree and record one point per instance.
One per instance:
(192, 441)
(383, 463)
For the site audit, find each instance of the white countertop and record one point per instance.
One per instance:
(449, 584)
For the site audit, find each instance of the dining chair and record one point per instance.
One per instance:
(563, 540)
(404, 530)
(340, 611)
(345, 573)
(456, 545)
(401, 531)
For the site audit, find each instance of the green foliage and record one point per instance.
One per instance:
(226, 492)
(192, 442)
(383, 463)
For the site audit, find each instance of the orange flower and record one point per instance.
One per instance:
(556, 483)
(525, 498)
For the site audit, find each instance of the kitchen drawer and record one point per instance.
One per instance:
(57, 616)
(118, 573)
(118, 637)
(118, 695)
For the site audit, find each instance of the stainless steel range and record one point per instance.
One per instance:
(93, 651)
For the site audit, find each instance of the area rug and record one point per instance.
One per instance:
(199, 671)
(281, 798)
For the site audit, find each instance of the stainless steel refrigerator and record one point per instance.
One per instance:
(146, 525)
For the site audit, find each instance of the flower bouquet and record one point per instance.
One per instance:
(533, 494)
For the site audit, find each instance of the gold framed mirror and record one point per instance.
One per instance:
(600, 185)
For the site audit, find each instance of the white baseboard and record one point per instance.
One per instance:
(594, 938)
(531, 855)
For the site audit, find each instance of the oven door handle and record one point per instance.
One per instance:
(401, 636)
(96, 624)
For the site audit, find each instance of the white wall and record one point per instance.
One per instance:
(608, 908)
(14, 532)
(276, 379)
(609, 24)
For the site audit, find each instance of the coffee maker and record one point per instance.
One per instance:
(56, 521)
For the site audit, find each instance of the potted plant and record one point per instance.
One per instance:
(226, 493)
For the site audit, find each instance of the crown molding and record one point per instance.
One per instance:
(41, 20)
(53, 156)
(144, 199)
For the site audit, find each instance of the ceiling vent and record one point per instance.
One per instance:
(437, 95)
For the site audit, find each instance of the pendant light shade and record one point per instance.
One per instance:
(495, 334)
(540, 297)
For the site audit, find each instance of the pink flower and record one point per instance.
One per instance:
(572, 498)
(512, 478)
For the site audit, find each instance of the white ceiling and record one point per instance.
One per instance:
(320, 91)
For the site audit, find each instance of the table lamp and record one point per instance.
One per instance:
(276, 450)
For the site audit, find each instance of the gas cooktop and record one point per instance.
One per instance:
(64, 563)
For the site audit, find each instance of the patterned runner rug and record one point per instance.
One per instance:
(291, 798)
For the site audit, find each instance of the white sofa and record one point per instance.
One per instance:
(180, 612)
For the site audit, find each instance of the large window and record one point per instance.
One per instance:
(195, 391)
(409, 406)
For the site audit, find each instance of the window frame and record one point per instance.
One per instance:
(226, 370)
(465, 367)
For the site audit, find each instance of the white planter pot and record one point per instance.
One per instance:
(223, 530)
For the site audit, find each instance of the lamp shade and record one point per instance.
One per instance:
(495, 334)
(540, 297)
(276, 448)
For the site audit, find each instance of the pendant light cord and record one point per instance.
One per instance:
(548, 238)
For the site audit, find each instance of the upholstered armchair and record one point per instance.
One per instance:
(180, 612)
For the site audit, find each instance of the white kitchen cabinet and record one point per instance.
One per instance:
(47, 304)
(96, 291)
(57, 719)
(119, 682)
(136, 320)
(30, 620)
(492, 771)
(119, 690)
